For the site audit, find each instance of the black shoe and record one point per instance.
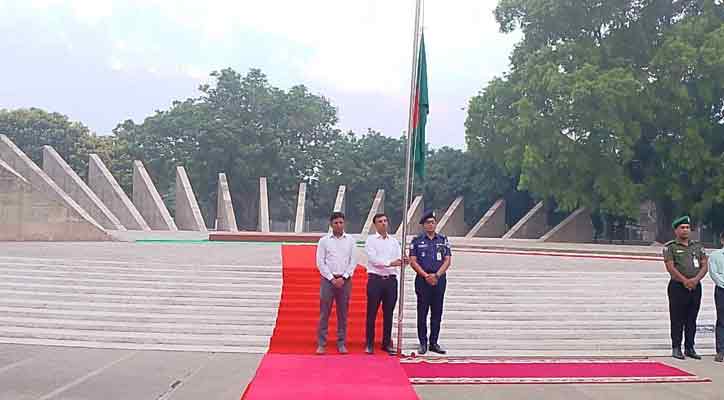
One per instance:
(676, 353)
(422, 349)
(719, 357)
(691, 353)
(389, 349)
(369, 349)
(437, 349)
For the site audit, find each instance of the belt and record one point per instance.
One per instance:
(340, 276)
(377, 276)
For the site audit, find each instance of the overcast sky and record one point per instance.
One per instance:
(104, 61)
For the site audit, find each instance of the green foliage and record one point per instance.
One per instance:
(454, 173)
(31, 129)
(364, 164)
(242, 126)
(608, 104)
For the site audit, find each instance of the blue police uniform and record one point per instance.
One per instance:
(430, 254)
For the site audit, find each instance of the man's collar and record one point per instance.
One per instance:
(434, 235)
(331, 234)
(687, 243)
(377, 235)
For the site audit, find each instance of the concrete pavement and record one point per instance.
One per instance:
(55, 373)
(65, 373)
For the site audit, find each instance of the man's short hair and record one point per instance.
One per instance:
(378, 215)
(336, 215)
(426, 216)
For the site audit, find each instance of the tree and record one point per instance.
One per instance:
(246, 128)
(454, 173)
(364, 164)
(31, 129)
(608, 104)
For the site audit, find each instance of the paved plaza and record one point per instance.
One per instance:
(100, 320)
(41, 372)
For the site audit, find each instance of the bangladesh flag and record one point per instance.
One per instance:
(419, 117)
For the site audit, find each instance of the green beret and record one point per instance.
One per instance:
(680, 221)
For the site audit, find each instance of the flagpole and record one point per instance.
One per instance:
(408, 167)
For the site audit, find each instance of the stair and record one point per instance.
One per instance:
(500, 305)
(218, 299)
(145, 305)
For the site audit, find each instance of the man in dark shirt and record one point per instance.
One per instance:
(430, 258)
(686, 262)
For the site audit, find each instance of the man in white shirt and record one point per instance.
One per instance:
(383, 261)
(336, 264)
(716, 272)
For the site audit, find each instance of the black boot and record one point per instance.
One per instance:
(691, 353)
(676, 353)
(437, 349)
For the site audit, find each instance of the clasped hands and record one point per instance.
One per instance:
(690, 283)
(431, 279)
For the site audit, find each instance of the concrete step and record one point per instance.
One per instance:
(137, 316)
(197, 276)
(244, 327)
(529, 276)
(145, 265)
(409, 323)
(242, 300)
(487, 353)
(572, 308)
(582, 324)
(241, 292)
(250, 309)
(140, 282)
(558, 353)
(105, 344)
(143, 269)
(257, 327)
(217, 339)
(270, 291)
(547, 291)
(562, 344)
(533, 333)
(548, 316)
(449, 335)
(453, 344)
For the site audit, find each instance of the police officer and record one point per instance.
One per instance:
(686, 262)
(430, 258)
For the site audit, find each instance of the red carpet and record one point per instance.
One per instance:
(350, 377)
(298, 316)
(449, 371)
